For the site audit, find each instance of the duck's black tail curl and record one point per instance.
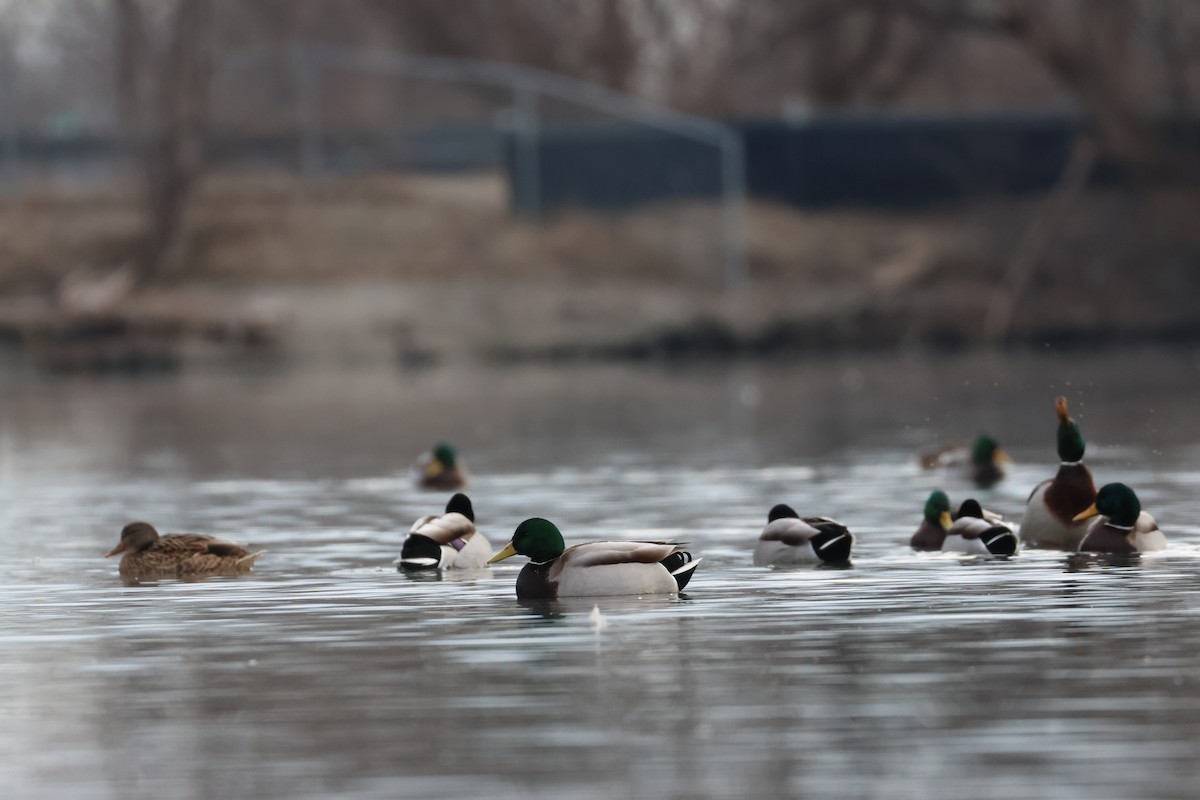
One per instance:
(681, 565)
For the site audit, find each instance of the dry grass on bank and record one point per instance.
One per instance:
(1118, 259)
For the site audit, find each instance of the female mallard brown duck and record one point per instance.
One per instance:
(440, 470)
(972, 532)
(449, 541)
(1123, 528)
(593, 569)
(149, 556)
(982, 463)
(789, 540)
(1050, 513)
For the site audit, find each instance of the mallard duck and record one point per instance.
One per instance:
(149, 556)
(595, 568)
(1123, 528)
(979, 532)
(1050, 512)
(931, 533)
(982, 463)
(449, 541)
(789, 540)
(971, 532)
(440, 469)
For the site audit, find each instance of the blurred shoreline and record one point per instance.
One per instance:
(426, 270)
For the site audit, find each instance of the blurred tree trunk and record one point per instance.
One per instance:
(130, 58)
(166, 123)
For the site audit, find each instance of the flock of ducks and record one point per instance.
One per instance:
(1064, 512)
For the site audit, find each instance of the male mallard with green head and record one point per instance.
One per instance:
(440, 469)
(149, 556)
(1123, 528)
(595, 568)
(789, 540)
(982, 463)
(1050, 512)
(448, 541)
(971, 533)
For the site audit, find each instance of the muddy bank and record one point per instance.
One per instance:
(430, 270)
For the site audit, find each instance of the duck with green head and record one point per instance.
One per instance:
(1050, 513)
(1122, 526)
(440, 469)
(151, 556)
(446, 541)
(789, 540)
(595, 568)
(982, 463)
(970, 533)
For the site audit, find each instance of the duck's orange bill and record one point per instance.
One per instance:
(1090, 511)
(1002, 457)
(118, 549)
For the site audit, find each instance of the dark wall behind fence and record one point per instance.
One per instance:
(868, 161)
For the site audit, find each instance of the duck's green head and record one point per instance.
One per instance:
(937, 510)
(537, 538)
(986, 450)
(1070, 440)
(782, 511)
(445, 454)
(462, 504)
(1117, 502)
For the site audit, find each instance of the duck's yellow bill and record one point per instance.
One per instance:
(1002, 457)
(946, 520)
(434, 468)
(508, 552)
(1090, 511)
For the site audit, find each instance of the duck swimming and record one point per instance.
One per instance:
(440, 469)
(595, 568)
(980, 532)
(1123, 528)
(789, 540)
(982, 463)
(971, 533)
(448, 541)
(149, 556)
(1050, 513)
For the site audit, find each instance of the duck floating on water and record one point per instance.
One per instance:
(446, 541)
(440, 469)
(789, 540)
(1050, 513)
(971, 533)
(983, 463)
(150, 556)
(595, 568)
(1123, 527)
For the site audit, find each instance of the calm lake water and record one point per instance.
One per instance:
(329, 674)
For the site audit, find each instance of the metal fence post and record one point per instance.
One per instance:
(307, 78)
(733, 209)
(11, 172)
(527, 158)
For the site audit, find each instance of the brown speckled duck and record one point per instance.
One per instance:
(149, 556)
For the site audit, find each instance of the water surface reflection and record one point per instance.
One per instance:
(330, 673)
